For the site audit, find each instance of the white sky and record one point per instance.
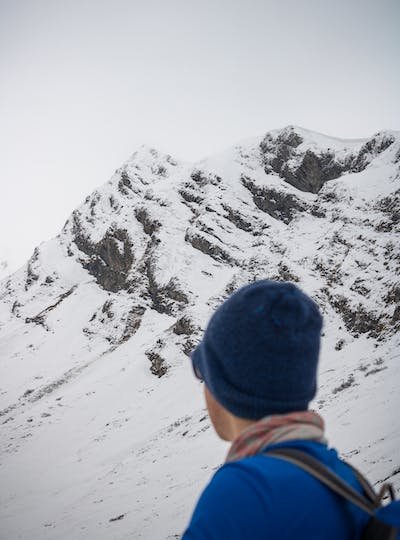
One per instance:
(84, 82)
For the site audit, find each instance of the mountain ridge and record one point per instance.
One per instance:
(97, 327)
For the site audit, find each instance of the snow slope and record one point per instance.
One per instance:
(104, 431)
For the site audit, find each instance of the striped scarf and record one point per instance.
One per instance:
(304, 425)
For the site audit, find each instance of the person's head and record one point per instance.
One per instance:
(259, 355)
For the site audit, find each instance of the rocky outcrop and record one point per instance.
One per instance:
(183, 326)
(308, 170)
(201, 178)
(108, 260)
(190, 196)
(279, 205)
(305, 171)
(236, 218)
(313, 172)
(132, 321)
(167, 298)
(207, 247)
(390, 208)
(31, 273)
(40, 318)
(150, 225)
(158, 364)
(372, 148)
(357, 319)
(125, 183)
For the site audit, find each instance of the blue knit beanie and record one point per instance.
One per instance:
(259, 352)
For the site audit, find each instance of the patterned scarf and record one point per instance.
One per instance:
(305, 425)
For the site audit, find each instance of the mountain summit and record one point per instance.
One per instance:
(101, 417)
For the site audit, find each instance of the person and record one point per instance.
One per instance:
(258, 359)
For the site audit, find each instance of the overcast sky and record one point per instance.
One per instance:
(85, 82)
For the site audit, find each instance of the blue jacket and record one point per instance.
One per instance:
(264, 497)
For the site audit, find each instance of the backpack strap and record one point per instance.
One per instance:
(314, 467)
(386, 488)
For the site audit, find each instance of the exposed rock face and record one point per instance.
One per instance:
(158, 366)
(150, 226)
(370, 150)
(190, 196)
(357, 319)
(390, 208)
(183, 325)
(40, 318)
(237, 219)
(31, 274)
(207, 247)
(124, 183)
(166, 298)
(132, 322)
(308, 170)
(201, 178)
(109, 260)
(277, 204)
(313, 172)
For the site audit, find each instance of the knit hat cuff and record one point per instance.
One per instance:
(243, 405)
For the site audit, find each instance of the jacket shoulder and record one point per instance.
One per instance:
(231, 506)
(252, 497)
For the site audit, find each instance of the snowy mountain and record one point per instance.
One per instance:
(104, 431)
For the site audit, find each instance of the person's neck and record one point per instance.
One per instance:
(238, 425)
